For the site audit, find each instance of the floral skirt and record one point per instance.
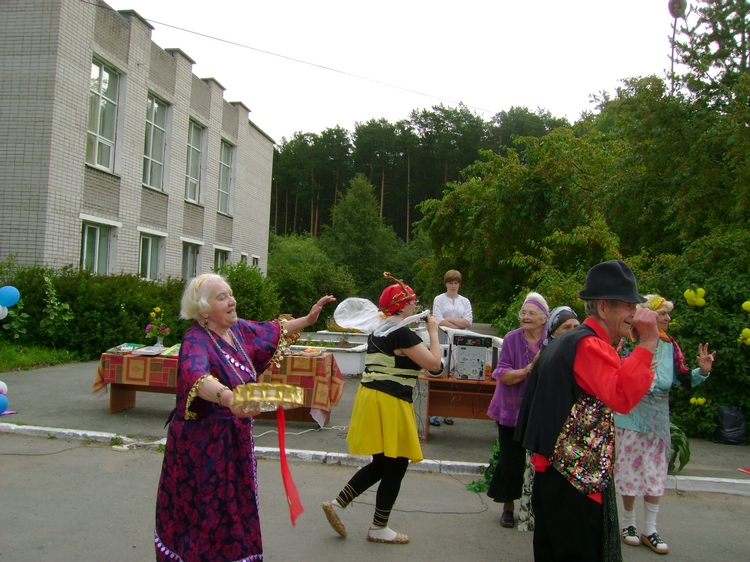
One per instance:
(642, 462)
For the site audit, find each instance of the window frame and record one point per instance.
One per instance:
(224, 200)
(98, 138)
(222, 256)
(151, 152)
(184, 265)
(156, 251)
(103, 237)
(195, 151)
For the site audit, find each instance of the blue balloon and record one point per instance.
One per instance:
(9, 296)
(3, 403)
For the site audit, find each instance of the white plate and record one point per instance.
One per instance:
(312, 353)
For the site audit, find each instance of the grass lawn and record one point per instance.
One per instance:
(15, 357)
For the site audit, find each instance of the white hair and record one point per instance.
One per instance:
(538, 299)
(195, 297)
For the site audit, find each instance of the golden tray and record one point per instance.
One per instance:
(257, 397)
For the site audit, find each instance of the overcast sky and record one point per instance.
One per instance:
(307, 66)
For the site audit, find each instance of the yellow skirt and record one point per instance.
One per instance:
(382, 423)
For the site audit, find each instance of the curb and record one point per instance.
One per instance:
(455, 468)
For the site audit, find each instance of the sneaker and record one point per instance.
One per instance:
(630, 536)
(654, 542)
(434, 421)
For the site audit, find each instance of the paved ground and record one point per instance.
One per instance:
(62, 498)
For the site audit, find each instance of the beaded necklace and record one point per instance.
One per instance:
(231, 361)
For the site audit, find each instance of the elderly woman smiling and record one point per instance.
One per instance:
(520, 346)
(206, 507)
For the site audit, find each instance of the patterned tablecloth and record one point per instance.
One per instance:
(319, 376)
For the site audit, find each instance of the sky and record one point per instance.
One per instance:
(303, 66)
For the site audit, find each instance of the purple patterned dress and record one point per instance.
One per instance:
(207, 502)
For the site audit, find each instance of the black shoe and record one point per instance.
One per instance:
(507, 520)
(448, 421)
(434, 421)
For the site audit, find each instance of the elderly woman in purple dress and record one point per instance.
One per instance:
(207, 503)
(520, 346)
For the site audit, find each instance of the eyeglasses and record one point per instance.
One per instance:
(527, 313)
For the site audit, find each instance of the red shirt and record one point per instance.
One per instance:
(599, 371)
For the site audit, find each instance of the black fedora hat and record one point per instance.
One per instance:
(611, 280)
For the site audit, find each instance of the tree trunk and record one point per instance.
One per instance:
(382, 192)
(408, 203)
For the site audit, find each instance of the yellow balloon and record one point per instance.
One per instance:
(701, 401)
(693, 400)
(746, 306)
(746, 333)
(689, 294)
(700, 302)
(701, 292)
(747, 342)
(691, 301)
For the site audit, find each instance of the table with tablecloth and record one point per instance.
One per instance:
(319, 376)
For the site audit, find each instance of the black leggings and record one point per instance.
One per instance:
(389, 472)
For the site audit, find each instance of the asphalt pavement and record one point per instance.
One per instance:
(65, 494)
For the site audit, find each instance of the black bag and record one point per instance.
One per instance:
(732, 428)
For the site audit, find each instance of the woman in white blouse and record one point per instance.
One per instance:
(451, 310)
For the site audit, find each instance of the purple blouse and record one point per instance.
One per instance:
(516, 353)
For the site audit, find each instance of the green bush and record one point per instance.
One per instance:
(303, 273)
(256, 295)
(719, 265)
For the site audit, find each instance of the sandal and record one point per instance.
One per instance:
(630, 536)
(400, 538)
(448, 421)
(434, 421)
(654, 542)
(333, 519)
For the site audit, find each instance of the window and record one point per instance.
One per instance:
(256, 260)
(154, 145)
(225, 178)
(150, 256)
(189, 260)
(221, 257)
(194, 163)
(102, 125)
(95, 240)
(243, 258)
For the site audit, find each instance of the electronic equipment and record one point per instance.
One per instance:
(472, 356)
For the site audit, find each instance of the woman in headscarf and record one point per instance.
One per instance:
(519, 348)
(643, 437)
(383, 422)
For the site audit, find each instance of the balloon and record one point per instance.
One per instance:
(746, 306)
(9, 296)
(3, 403)
(3, 312)
(3, 388)
(701, 401)
(691, 301)
(746, 333)
(701, 292)
(700, 301)
(693, 400)
(689, 294)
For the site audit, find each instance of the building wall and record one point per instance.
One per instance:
(47, 189)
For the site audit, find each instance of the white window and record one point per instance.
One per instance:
(243, 258)
(194, 163)
(154, 146)
(221, 257)
(225, 178)
(189, 260)
(150, 262)
(95, 243)
(102, 125)
(256, 260)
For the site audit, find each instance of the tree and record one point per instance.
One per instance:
(714, 45)
(359, 241)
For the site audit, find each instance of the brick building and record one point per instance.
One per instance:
(114, 156)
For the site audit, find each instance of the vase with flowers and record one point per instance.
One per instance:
(157, 328)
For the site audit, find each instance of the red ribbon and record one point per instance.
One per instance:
(292, 496)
